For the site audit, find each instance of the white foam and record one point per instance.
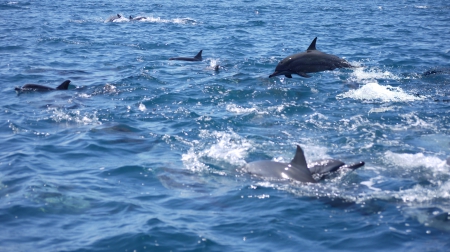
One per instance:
(214, 64)
(142, 107)
(192, 162)
(364, 74)
(382, 109)
(120, 20)
(412, 120)
(152, 19)
(260, 110)
(370, 184)
(406, 160)
(226, 147)
(239, 109)
(374, 92)
(229, 146)
(60, 115)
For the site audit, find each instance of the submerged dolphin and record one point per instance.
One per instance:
(310, 61)
(297, 169)
(197, 57)
(36, 87)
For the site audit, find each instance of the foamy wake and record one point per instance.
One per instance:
(374, 92)
(152, 19)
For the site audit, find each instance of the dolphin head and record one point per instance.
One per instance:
(282, 68)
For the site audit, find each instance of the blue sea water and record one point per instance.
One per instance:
(144, 154)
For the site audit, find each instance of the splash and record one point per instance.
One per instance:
(363, 74)
(410, 161)
(374, 92)
(226, 147)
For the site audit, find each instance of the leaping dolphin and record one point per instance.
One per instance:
(36, 87)
(297, 169)
(197, 57)
(310, 61)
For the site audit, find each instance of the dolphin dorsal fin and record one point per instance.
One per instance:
(312, 46)
(199, 55)
(299, 158)
(64, 85)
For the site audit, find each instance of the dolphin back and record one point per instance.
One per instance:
(36, 87)
(197, 57)
(331, 165)
(325, 166)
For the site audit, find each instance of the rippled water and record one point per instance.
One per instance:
(144, 154)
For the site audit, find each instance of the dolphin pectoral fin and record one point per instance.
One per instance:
(288, 75)
(304, 74)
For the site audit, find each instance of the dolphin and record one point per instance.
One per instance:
(310, 61)
(137, 18)
(297, 169)
(112, 18)
(36, 87)
(197, 57)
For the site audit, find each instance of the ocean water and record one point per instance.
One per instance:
(144, 154)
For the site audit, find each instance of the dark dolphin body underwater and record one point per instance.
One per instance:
(310, 61)
(197, 57)
(297, 169)
(35, 87)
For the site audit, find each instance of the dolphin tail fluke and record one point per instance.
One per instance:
(64, 85)
(199, 55)
(312, 46)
